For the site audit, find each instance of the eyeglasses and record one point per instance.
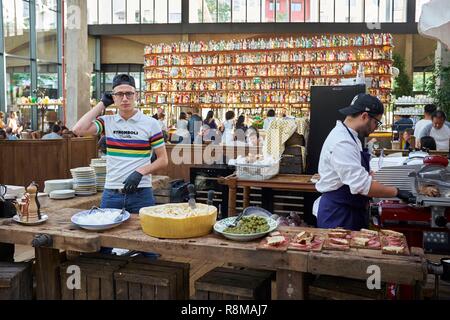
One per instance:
(379, 123)
(120, 95)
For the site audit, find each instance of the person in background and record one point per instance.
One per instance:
(241, 128)
(163, 125)
(407, 134)
(2, 118)
(427, 143)
(55, 134)
(182, 134)
(269, 119)
(3, 135)
(439, 129)
(209, 127)
(344, 168)
(405, 122)
(428, 112)
(188, 115)
(194, 124)
(228, 128)
(13, 123)
(159, 111)
(210, 121)
(10, 135)
(253, 138)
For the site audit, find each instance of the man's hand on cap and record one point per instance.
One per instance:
(107, 99)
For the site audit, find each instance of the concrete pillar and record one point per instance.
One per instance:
(409, 55)
(77, 62)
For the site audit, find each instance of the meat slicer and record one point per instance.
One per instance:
(425, 221)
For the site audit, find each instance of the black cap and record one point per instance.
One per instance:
(123, 79)
(364, 103)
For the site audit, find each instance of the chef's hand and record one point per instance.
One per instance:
(406, 196)
(107, 99)
(132, 182)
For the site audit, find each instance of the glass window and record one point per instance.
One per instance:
(133, 11)
(47, 81)
(239, 11)
(418, 81)
(137, 78)
(400, 10)
(341, 11)
(46, 34)
(312, 11)
(419, 4)
(16, 27)
(161, 11)
(356, 11)
(268, 12)
(104, 12)
(174, 11)
(297, 11)
(119, 11)
(147, 11)
(18, 80)
(326, 10)
(224, 11)
(253, 11)
(209, 11)
(195, 11)
(282, 13)
(371, 11)
(92, 12)
(386, 10)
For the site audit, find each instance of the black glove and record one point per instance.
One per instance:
(107, 99)
(406, 196)
(132, 182)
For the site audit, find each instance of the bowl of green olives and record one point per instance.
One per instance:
(248, 228)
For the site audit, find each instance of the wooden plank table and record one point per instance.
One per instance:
(294, 182)
(290, 265)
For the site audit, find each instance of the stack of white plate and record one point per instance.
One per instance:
(84, 181)
(99, 166)
(62, 194)
(59, 184)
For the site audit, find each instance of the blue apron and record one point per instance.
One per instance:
(341, 208)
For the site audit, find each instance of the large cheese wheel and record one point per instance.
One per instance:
(178, 220)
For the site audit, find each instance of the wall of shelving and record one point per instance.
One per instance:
(259, 74)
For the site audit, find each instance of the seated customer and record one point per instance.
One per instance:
(439, 129)
(3, 134)
(407, 134)
(55, 134)
(403, 123)
(427, 143)
(10, 135)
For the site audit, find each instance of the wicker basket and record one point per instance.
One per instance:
(257, 172)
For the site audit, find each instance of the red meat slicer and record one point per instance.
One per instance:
(425, 223)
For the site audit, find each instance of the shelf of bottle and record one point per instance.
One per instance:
(247, 90)
(39, 104)
(228, 103)
(337, 48)
(408, 114)
(385, 61)
(404, 104)
(271, 77)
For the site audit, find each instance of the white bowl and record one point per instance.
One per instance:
(77, 219)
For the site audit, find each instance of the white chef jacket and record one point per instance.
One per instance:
(340, 163)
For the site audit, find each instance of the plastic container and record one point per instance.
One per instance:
(257, 172)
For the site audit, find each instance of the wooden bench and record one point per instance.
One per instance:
(234, 284)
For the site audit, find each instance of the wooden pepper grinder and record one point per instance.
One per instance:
(34, 213)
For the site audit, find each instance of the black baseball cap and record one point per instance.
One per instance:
(123, 79)
(364, 103)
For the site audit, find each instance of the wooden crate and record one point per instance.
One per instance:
(146, 279)
(234, 284)
(97, 277)
(16, 281)
(339, 288)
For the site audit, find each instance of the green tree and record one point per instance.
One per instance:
(440, 94)
(402, 85)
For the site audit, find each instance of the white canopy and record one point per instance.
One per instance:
(435, 21)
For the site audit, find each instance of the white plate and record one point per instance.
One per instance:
(76, 220)
(62, 194)
(44, 218)
(221, 225)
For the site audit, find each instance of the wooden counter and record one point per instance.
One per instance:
(290, 265)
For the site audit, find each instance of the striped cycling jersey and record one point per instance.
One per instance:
(129, 146)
